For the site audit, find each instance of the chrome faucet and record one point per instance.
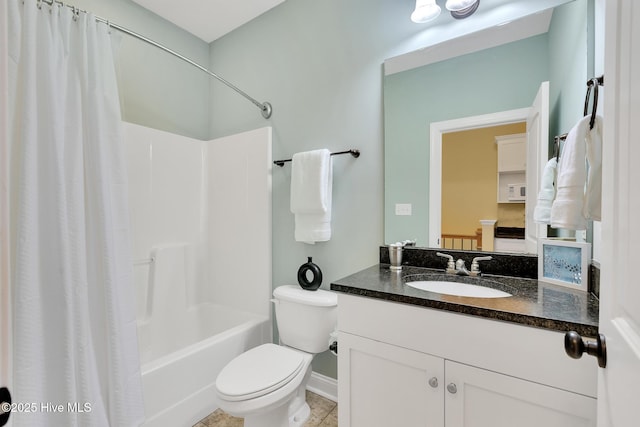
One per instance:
(459, 267)
(475, 266)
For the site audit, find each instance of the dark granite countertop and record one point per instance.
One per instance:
(534, 303)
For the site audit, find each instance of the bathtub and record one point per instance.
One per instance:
(183, 346)
(179, 370)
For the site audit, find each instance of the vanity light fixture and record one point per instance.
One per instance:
(461, 9)
(426, 10)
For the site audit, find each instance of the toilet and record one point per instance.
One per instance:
(266, 385)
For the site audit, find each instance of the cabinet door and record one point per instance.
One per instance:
(384, 385)
(512, 154)
(479, 398)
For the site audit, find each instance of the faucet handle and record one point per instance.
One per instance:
(451, 266)
(449, 257)
(475, 266)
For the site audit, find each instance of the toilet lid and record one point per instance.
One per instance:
(259, 371)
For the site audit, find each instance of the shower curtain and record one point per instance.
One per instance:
(75, 354)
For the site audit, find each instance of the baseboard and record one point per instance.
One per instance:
(324, 386)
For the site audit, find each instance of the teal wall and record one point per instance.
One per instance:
(569, 66)
(320, 64)
(156, 89)
(498, 79)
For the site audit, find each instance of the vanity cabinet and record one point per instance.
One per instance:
(411, 366)
(478, 397)
(390, 385)
(512, 165)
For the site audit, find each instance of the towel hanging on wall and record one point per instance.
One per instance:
(579, 193)
(542, 212)
(311, 193)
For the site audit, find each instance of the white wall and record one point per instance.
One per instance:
(214, 196)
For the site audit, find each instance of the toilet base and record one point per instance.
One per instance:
(300, 416)
(292, 414)
(277, 417)
(280, 417)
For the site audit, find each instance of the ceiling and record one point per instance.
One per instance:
(209, 19)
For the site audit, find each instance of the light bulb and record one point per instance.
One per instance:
(426, 10)
(455, 5)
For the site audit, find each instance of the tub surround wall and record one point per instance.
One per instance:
(239, 220)
(195, 206)
(211, 197)
(166, 199)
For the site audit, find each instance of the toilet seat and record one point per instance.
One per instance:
(258, 372)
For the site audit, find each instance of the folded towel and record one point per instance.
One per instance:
(578, 195)
(542, 211)
(311, 186)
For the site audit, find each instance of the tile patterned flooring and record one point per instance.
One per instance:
(324, 413)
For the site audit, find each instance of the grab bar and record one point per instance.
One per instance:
(144, 261)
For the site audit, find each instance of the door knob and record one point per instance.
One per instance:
(451, 388)
(433, 382)
(575, 346)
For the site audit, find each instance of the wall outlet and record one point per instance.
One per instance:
(403, 209)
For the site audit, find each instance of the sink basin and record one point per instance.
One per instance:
(458, 289)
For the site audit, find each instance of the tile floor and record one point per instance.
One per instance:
(324, 413)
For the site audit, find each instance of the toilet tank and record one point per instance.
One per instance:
(305, 318)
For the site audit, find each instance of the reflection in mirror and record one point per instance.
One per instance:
(500, 78)
(479, 166)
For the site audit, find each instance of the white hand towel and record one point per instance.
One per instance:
(593, 195)
(567, 208)
(542, 212)
(311, 187)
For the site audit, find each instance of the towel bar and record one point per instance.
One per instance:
(353, 152)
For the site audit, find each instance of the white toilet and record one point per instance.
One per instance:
(266, 385)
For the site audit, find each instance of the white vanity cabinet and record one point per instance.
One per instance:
(390, 385)
(404, 365)
(478, 397)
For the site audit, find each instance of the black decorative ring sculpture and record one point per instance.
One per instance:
(303, 280)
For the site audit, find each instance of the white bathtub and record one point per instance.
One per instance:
(184, 346)
(179, 371)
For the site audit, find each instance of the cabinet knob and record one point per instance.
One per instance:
(451, 388)
(575, 346)
(433, 382)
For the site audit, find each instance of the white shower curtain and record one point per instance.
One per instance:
(75, 354)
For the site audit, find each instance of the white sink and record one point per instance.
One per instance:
(458, 289)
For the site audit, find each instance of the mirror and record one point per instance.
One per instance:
(551, 46)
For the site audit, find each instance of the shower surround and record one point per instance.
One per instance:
(195, 205)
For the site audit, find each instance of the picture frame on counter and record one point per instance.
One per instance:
(564, 263)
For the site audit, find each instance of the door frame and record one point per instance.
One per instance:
(436, 130)
(5, 290)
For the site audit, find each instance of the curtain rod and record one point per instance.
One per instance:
(265, 107)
